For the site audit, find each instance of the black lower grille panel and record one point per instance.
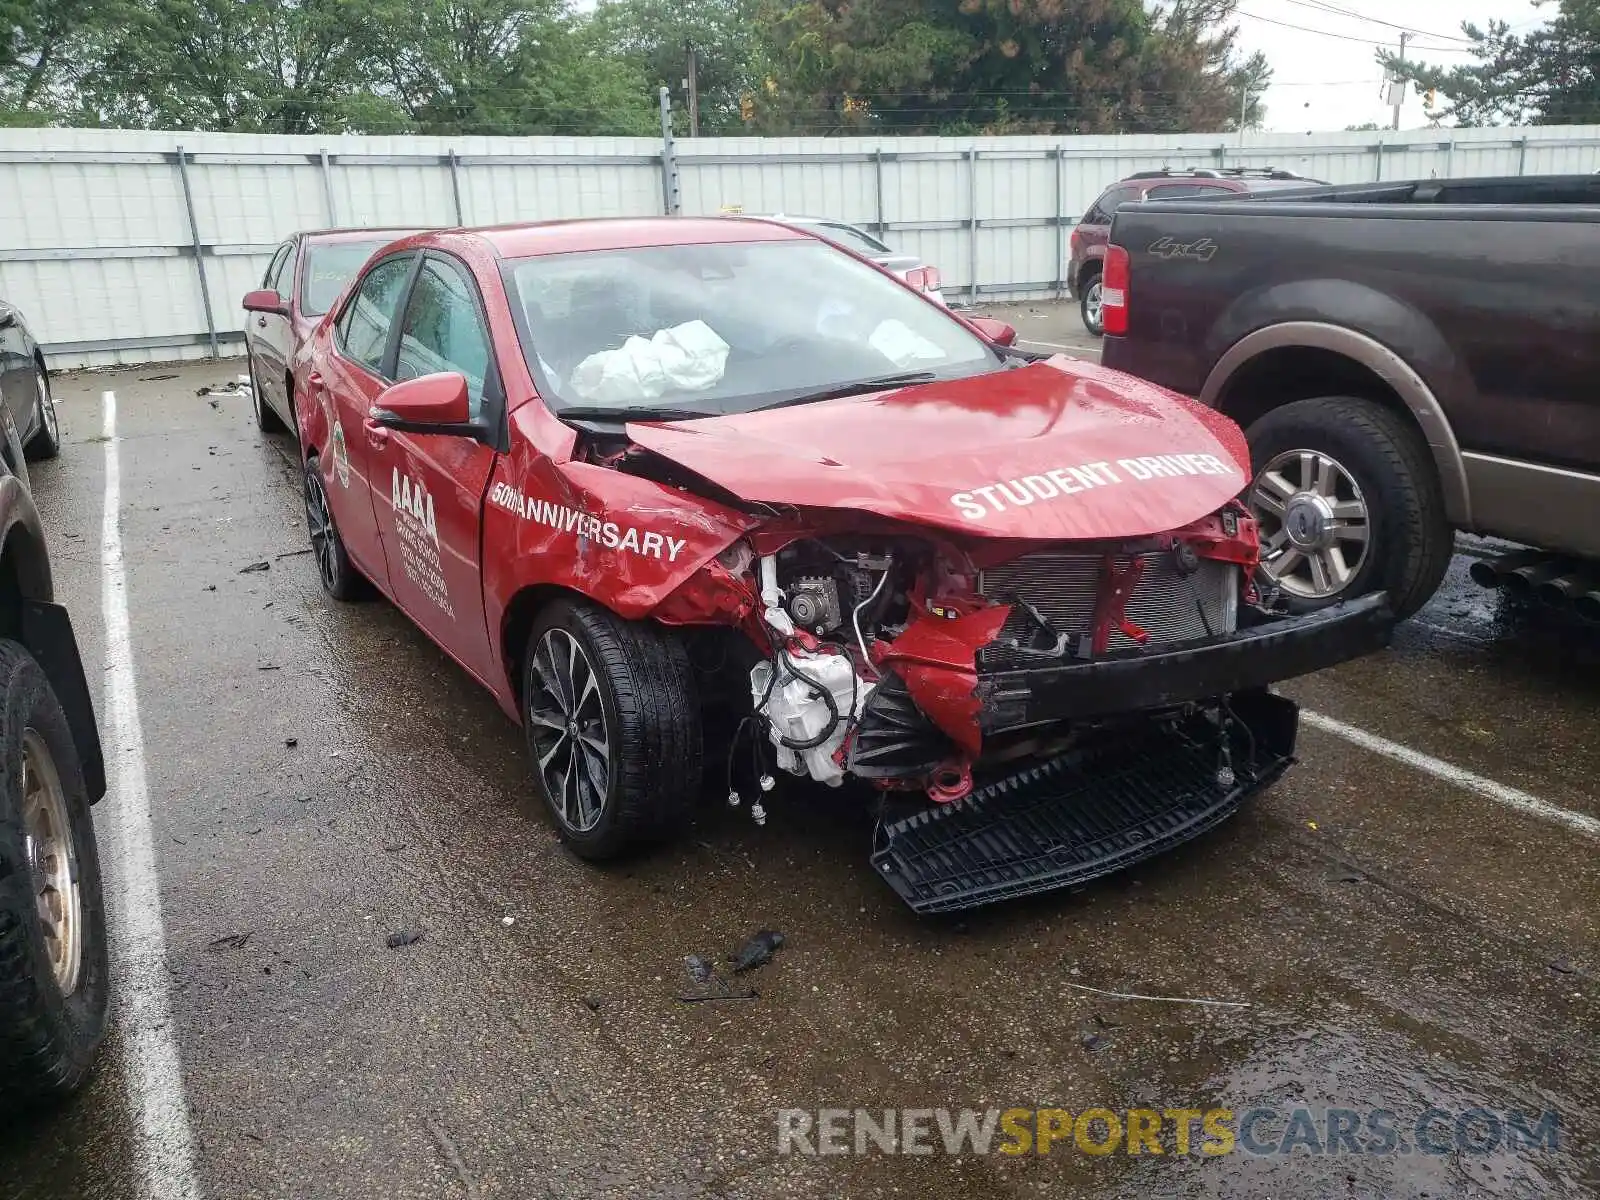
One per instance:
(1088, 813)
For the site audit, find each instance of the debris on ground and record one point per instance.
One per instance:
(292, 553)
(291, 743)
(255, 566)
(1096, 1041)
(405, 937)
(748, 994)
(700, 969)
(757, 951)
(1563, 966)
(592, 1003)
(232, 388)
(231, 941)
(211, 587)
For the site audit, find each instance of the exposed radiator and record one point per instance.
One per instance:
(1064, 588)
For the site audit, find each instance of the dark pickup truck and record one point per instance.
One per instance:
(1406, 359)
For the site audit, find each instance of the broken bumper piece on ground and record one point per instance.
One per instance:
(1104, 806)
(1186, 736)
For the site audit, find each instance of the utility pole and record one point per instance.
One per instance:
(692, 85)
(1399, 94)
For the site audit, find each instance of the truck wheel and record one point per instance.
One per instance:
(46, 440)
(340, 579)
(1089, 304)
(1348, 503)
(267, 418)
(613, 723)
(54, 975)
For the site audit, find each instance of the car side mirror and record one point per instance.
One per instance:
(436, 403)
(995, 331)
(265, 300)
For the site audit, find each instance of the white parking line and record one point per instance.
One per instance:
(1050, 345)
(1500, 793)
(165, 1157)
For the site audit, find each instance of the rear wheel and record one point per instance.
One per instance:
(46, 440)
(267, 418)
(1090, 305)
(1348, 503)
(613, 725)
(54, 971)
(339, 576)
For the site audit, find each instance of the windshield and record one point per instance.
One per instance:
(331, 265)
(850, 238)
(725, 327)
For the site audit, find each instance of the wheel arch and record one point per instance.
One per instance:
(29, 614)
(1300, 359)
(517, 622)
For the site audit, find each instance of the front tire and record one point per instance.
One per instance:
(339, 576)
(54, 971)
(46, 440)
(1349, 503)
(612, 718)
(1089, 306)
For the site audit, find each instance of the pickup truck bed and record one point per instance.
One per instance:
(1431, 348)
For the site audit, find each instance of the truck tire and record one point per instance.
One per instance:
(340, 578)
(612, 717)
(46, 440)
(54, 975)
(1349, 504)
(1089, 305)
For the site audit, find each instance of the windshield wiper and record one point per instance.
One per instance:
(601, 413)
(879, 384)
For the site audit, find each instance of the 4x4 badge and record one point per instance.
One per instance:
(1200, 250)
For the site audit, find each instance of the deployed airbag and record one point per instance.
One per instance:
(685, 358)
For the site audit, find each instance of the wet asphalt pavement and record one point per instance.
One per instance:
(321, 776)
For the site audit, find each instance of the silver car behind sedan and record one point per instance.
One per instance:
(907, 266)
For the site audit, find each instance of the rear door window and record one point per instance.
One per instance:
(1176, 191)
(275, 268)
(1106, 207)
(367, 320)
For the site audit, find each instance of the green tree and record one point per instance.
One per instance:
(1545, 76)
(37, 59)
(274, 66)
(505, 67)
(1063, 66)
(655, 38)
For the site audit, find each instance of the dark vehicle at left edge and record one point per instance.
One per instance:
(25, 387)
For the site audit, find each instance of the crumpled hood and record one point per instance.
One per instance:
(1058, 449)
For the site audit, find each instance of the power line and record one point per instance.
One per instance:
(1336, 10)
(1347, 37)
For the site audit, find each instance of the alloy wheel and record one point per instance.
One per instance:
(51, 861)
(568, 729)
(320, 522)
(47, 407)
(1092, 304)
(1316, 530)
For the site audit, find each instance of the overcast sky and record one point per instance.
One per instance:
(1330, 79)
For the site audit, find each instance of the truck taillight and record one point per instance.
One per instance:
(924, 279)
(1114, 291)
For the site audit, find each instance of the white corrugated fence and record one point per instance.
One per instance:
(137, 246)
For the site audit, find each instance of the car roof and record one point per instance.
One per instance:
(358, 235)
(626, 233)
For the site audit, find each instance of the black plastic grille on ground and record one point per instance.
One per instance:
(1080, 816)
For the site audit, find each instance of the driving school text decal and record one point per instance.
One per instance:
(622, 538)
(1066, 481)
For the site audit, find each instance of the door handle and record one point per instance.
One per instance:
(377, 435)
(261, 322)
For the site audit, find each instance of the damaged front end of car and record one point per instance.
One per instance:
(1033, 714)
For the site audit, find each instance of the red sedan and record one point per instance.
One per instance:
(710, 499)
(306, 275)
